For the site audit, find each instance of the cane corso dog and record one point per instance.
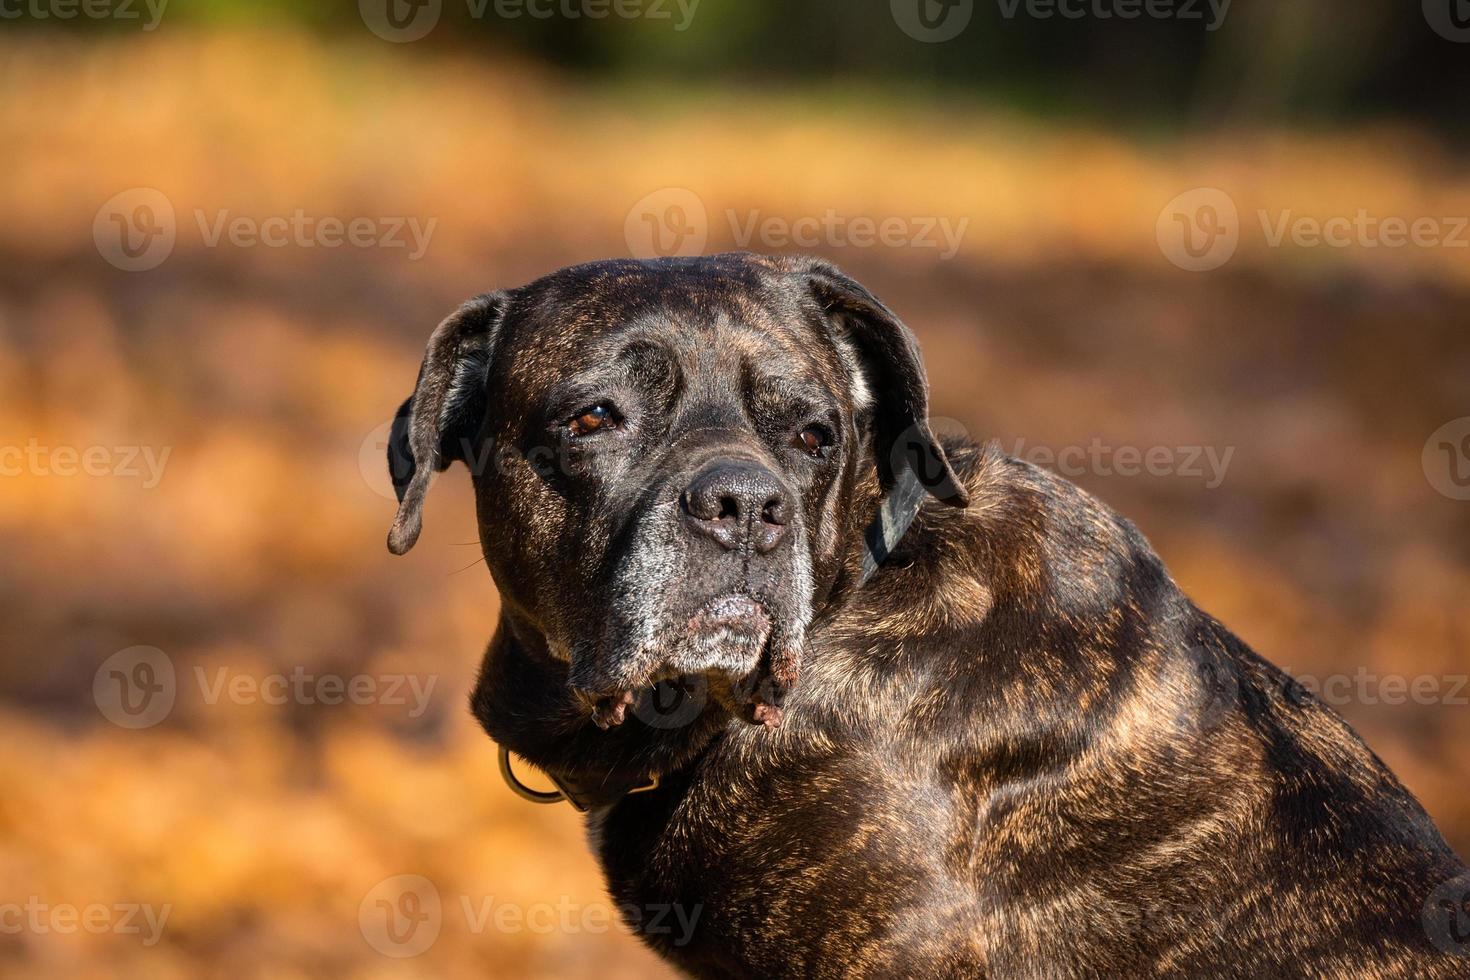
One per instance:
(854, 700)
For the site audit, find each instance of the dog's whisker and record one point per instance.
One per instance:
(469, 566)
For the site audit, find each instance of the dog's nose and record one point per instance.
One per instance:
(738, 504)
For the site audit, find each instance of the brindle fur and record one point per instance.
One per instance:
(1018, 751)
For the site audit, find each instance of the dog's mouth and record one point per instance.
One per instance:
(720, 653)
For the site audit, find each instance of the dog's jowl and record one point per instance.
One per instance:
(872, 704)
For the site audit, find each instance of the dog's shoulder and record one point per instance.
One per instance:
(1030, 543)
(1035, 585)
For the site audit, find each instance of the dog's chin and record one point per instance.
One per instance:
(726, 635)
(716, 652)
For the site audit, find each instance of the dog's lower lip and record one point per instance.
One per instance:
(733, 612)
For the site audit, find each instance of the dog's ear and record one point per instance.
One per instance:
(888, 357)
(441, 420)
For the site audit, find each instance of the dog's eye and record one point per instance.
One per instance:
(812, 440)
(595, 418)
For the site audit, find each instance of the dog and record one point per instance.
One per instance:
(853, 700)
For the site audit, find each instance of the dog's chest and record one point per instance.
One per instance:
(774, 870)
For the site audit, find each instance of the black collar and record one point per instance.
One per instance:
(895, 515)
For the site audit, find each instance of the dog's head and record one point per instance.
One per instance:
(665, 455)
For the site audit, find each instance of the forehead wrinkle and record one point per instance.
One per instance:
(717, 334)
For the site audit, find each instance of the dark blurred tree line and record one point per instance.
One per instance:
(1147, 62)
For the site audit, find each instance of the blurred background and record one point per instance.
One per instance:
(1208, 260)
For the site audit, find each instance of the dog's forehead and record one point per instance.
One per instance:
(716, 316)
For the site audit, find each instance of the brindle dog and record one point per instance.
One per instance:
(1016, 750)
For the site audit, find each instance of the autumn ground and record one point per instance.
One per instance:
(1312, 376)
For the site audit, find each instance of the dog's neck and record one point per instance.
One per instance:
(523, 699)
(524, 702)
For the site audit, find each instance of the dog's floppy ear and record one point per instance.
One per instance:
(440, 421)
(889, 358)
